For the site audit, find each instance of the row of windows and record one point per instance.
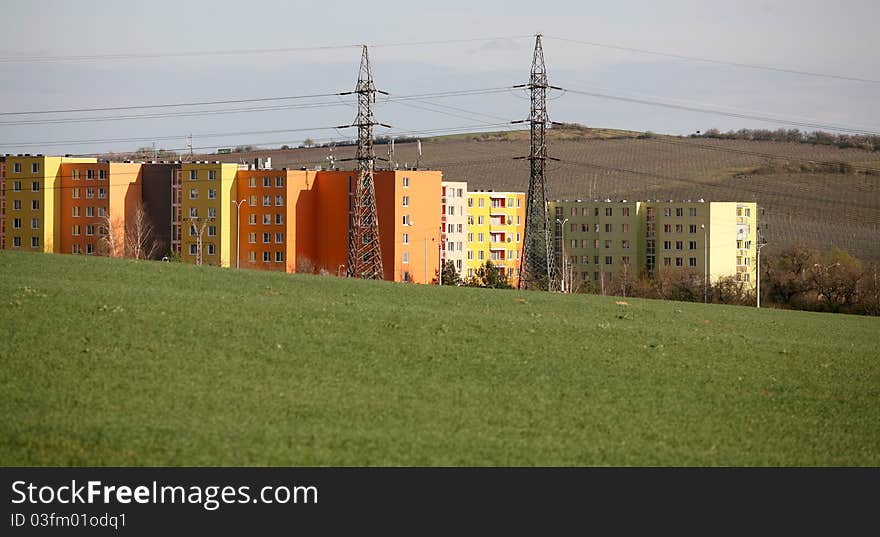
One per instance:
(90, 230)
(495, 221)
(90, 193)
(496, 203)
(90, 174)
(76, 248)
(679, 245)
(90, 211)
(493, 237)
(584, 243)
(267, 182)
(624, 211)
(16, 205)
(470, 272)
(16, 242)
(495, 255)
(16, 223)
(585, 228)
(16, 186)
(267, 238)
(35, 167)
(267, 257)
(194, 175)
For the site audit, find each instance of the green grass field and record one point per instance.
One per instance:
(116, 362)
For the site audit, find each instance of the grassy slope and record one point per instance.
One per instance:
(111, 362)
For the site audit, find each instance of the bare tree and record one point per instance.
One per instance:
(111, 233)
(140, 242)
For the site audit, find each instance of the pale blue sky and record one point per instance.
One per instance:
(812, 36)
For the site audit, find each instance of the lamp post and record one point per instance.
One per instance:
(562, 239)
(199, 230)
(237, 231)
(758, 272)
(705, 264)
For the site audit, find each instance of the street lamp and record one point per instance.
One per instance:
(705, 264)
(237, 231)
(562, 238)
(200, 230)
(758, 274)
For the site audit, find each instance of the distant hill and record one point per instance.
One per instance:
(804, 199)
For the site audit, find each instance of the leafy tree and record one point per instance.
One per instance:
(450, 274)
(835, 276)
(489, 276)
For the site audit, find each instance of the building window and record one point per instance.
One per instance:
(607, 228)
(193, 249)
(482, 255)
(479, 237)
(574, 243)
(35, 242)
(679, 245)
(35, 186)
(74, 230)
(193, 175)
(90, 248)
(608, 243)
(692, 245)
(35, 205)
(279, 257)
(193, 212)
(212, 212)
(252, 219)
(470, 202)
(279, 219)
(252, 182)
(75, 210)
(679, 262)
(406, 201)
(253, 201)
(626, 211)
(16, 168)
(679, 211)
(16, 242)
(679, 228)
(470, 273)
(405, 258)
(625, 228)
(692, 261)
(102, 193)
(692, 228)
(480, 220)
(102, 174)
(267, 182)
(74, 174)
(481, 203)
(267, 238)
(90, 174)
(16, 205)
(406, 182)
(212, 175)
(667, 211)
(212, 231)
(279, 201)
(608, 211)
(16, 223)
(624, 244)
(608, 260)
(667, 228)
(252, 238)
(211, 248)
(279, 182)
(406, 238)
(470, 237)
(279, 238)
(74, 193)
(35, 167)
(692, 211)
(193, 193)
(102, 212)
(35, 223)
(267, 219)
(90, 230)
(470, 254)
(267, 201)
(252, 257)
(212, 194)
(667, 245)
(406, 219)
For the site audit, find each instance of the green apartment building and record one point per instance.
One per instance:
(600, 241)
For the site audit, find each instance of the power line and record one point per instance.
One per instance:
(687, 108)
(232, 52)
(718, 62)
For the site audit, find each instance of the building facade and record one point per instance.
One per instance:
(598, 242)
(495, 230)
(453, 221)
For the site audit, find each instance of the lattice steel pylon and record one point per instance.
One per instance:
(537, 265)
(364, 254)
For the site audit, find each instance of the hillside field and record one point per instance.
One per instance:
(120, 362)
(802, 205)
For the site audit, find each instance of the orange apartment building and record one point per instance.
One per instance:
(297, 221)
(93, 195)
